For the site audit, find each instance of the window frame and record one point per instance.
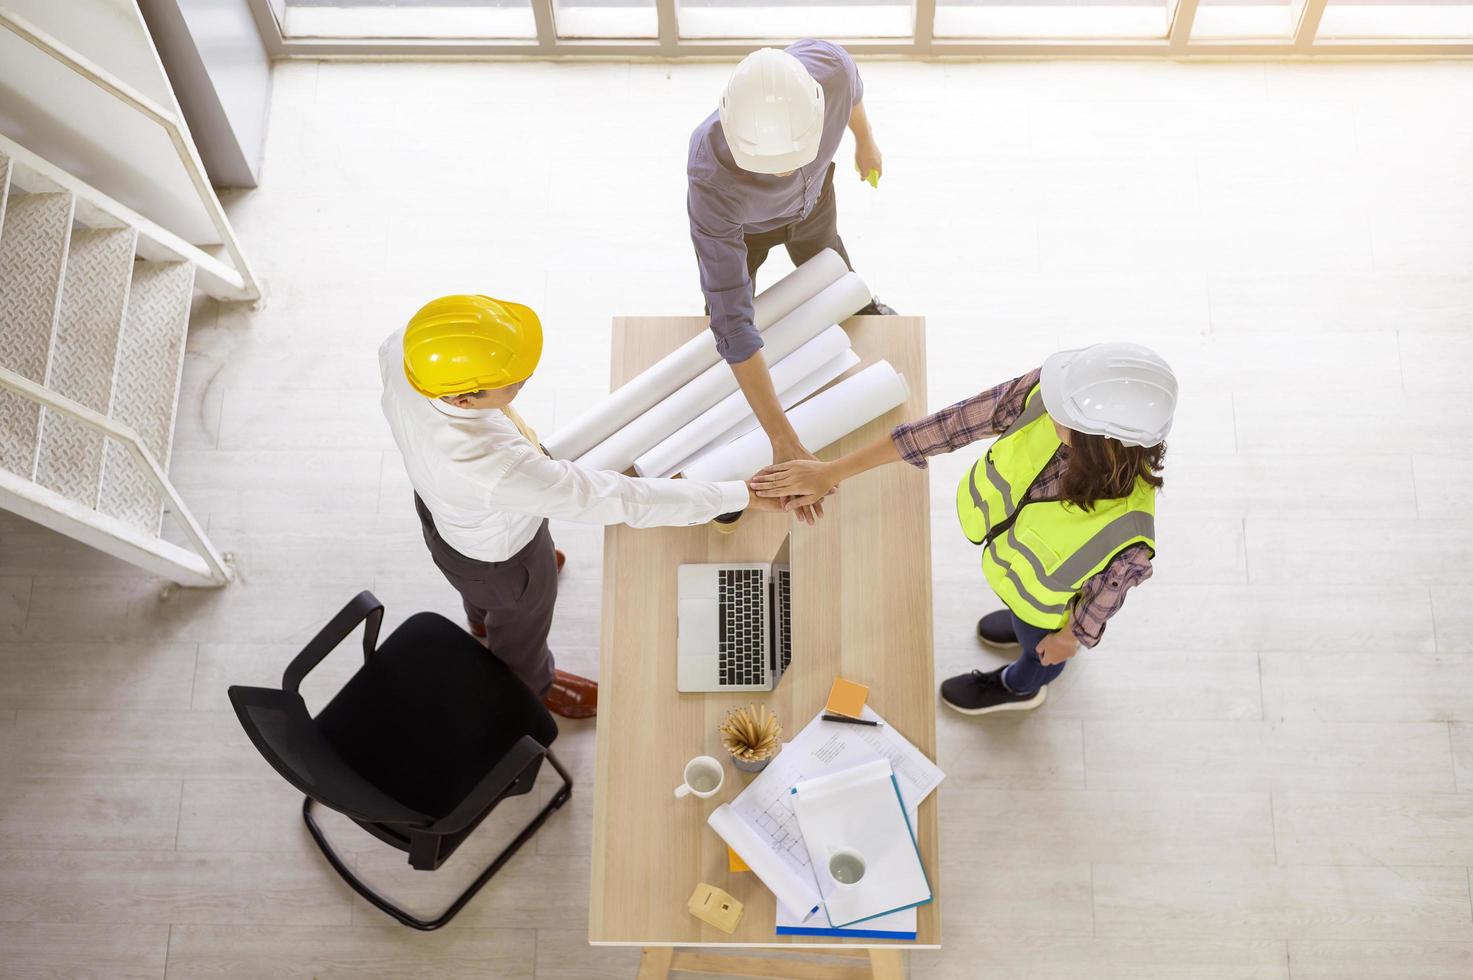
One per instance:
(1179, 44)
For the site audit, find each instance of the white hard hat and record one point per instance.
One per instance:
(1125, 391)
(772, 113)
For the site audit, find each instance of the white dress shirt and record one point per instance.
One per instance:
(488, 488)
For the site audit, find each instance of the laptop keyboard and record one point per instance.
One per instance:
(740, 615)
(784, 611)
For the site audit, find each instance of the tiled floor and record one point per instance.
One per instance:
(1266, 771)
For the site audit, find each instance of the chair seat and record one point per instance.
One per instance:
(430, 713)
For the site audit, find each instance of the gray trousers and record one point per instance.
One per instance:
(513, 598)
(805, 237)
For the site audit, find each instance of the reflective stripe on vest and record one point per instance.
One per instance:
(1075, 542)
(1032, 410)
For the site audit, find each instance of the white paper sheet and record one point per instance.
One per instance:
(824, 418)
(764, 832)
(824, 747)
(895, 925)
(664, 458)
(860, 810)
(688, 360)
(834, 303)
(761, 826)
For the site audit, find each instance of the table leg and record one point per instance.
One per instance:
(887, 964)
(654, 962)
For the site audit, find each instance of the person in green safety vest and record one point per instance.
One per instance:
(1062, 504)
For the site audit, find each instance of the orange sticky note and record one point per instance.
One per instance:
(734, 861)
(847, 698)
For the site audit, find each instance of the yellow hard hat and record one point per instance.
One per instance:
(459, 344)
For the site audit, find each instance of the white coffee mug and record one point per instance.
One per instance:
(703, 777)
(846, 867)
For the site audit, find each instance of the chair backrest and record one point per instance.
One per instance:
(281, 729)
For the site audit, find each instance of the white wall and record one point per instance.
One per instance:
(54, 112)
(221, 72)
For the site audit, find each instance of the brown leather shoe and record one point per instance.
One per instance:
(562, 560)
(572, 696)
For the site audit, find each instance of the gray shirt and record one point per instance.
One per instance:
(726, 202)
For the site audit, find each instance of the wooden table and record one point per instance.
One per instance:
(861, 608)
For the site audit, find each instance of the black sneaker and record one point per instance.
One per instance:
(995, 630)
(981, 693)
(876, 308)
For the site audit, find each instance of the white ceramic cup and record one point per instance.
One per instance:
(846, 867)
(703, 777)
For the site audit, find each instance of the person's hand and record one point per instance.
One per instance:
(1057, 647)
(866, 158)
(807, 510)
(800, 481)
(761, 503)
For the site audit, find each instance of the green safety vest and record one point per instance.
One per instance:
(1037, 557)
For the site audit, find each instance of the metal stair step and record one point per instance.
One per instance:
(94, 300)
(145, 391)
(33, 249)
(5, 166)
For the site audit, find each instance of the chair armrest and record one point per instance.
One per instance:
(524, 753)
(362, 606)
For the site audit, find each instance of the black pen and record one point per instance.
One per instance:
(850, 721)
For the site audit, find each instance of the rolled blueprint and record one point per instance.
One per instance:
(641, 392)
(824, 418)
(826, 372)
(696, 434)
(836, 302)
(798, 895)
(797, 287)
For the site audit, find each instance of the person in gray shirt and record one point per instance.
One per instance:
(761, 173)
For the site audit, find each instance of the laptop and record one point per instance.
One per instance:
(735, 625)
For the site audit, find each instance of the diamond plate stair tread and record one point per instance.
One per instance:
(146, 387)
(4, 187)
(33, 247)
(94, 298)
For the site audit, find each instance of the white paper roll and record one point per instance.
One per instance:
(826, 372)
(836, 302)
(792, 891)
(825, 417)
(798, 286)
(696, 434)
(641, 392)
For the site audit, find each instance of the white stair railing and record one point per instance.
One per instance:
(204, 566)
(234, 281)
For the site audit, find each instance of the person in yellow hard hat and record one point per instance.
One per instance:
(484, 488)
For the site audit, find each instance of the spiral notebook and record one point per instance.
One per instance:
(859, 812)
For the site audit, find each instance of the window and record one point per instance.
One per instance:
(607, 18)
(1244, 19)
(938, 28)
(781, 21)
(1397, 18)
(1053, 18)
(409, 19)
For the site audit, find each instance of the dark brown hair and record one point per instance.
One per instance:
(1101, 468)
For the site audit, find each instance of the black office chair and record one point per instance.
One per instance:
(417, 748)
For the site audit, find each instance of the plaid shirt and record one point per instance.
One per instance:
(989, 414)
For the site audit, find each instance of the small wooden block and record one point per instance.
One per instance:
(710, 904)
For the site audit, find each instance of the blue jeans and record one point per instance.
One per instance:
(1027, 674)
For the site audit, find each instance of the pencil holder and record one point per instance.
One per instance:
(753, 737)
